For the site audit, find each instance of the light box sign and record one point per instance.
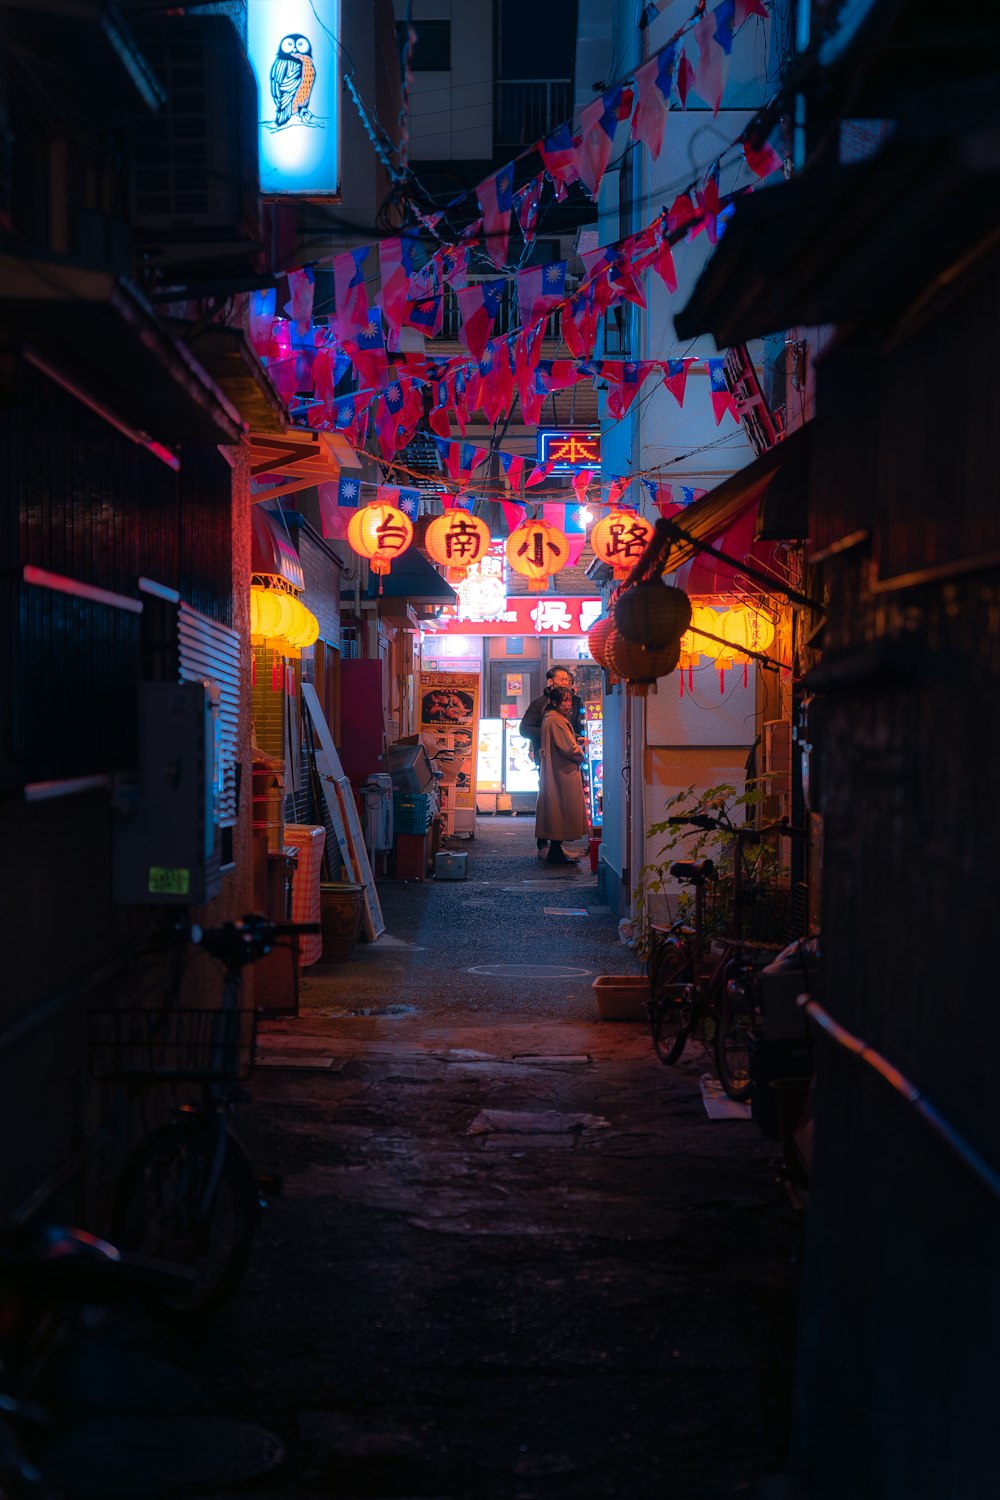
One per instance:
(294, 48)
(569, 450)
(524, 614)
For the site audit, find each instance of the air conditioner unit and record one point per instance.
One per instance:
(194, 185)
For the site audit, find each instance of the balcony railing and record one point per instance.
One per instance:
(525, 109)
(507, 316)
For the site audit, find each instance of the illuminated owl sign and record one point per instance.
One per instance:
(294, 48)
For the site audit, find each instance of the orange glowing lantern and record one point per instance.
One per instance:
(620, 539)
(379, 532)
(537, 550)
(597, 643)
(695, 645)
(639, 665)
(457, 541)
(745, 628)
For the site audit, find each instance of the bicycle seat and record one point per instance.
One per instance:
(694, 871)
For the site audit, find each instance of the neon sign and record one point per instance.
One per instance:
(293, 46)
(569, 450)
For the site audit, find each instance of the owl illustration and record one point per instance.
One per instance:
(293, 74)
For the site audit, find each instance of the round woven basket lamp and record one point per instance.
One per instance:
(637, 664)
(597, 643)
(653, 614)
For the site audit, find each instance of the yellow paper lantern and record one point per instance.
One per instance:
(620, 539)
(379, 532)
(457, 540)
(305, 626)
(265, 612)
(536, 550)
(743, 626)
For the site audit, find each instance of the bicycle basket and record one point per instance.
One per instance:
(202, 1045)
(763, 914)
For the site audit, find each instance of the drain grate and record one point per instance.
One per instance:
(529, 971)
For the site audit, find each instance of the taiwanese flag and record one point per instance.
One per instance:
(527, 352)
(761, 157)
(663, 260)
(479, 305)
(685, 78)
(395, 258)
(513, 466)
(568, 520)
(709, 207)
(723, 399)
(598, 123)
(351, 416)
(526, 204)
(455, 265)
(539, 290)
(496, 380)
(620, 398)
(367, 350)
(496, 201)
(408, 501)
(579, 323)
(426, 316)
(556, 375)
(348, 492)
(462, 459)
(681, 213)
(389, 406)
(260, 318)
(653, 83)
(413, 405)
(714, 35)
(558, 152)
(460, 385)
(622, 280)
(538, 475)
(675, 373)
(349, 287)
(512, 514)
(437, 419)
(325, 375)
(616, 489)
(333, 518)
(301, 288)
(689, 495)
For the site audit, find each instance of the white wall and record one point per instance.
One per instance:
(451, 114)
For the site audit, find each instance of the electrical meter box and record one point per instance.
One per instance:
(166, 842)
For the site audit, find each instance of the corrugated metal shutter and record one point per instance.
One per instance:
(207, 649)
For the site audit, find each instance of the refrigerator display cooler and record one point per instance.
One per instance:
(507, 777)
(595, 763)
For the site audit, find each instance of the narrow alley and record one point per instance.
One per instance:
(511, 1255)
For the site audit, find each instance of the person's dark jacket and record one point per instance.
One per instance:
(530, 727)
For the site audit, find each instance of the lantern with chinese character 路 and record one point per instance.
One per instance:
(457, 541)
(639, 665)
(379, 532)
(620, 539)
(653, 614)
(537, 550)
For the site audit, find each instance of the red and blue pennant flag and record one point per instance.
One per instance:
(629, 380)
(260, 319)
(479, 305)
(540, 289)
(654, 82)
(495, 200)
(389, 405)
(349, 491)
(579, 323)
(689, 495)
(538, 474)
(366, 350)
(684, 78)
(526, 203)
(761, 157)
(558, 152)
(464, 502)
(408, 501)
(723, 399)
(437, 417)
(496, 380)
(513, 466)
(395, 257)
(426, 316)
(675, 374)
(556, 375)
(351, 296)
(714, 35)
(301, 288)
(598, 124)
(568, 520)
(581, 483)
(351, 416)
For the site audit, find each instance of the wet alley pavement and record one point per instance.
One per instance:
(512, 1257)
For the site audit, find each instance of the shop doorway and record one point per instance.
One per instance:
(515, 681)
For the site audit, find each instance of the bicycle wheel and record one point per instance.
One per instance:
(160, 1211)
(736, 1021)
(670, 1018)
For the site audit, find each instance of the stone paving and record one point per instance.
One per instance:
(512, 1258)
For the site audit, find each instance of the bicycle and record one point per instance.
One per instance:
(688, 993)
(188, 1194)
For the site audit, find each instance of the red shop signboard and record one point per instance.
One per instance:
(525, 615)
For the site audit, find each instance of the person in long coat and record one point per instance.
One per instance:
(559, 813)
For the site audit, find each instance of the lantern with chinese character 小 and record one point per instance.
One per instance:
(653, 614)
(379, 532)
(620, 539)
(457, 541)
(536, 550)
(639, 665)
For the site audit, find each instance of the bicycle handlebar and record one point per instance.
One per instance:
(243, 941)
(747, 831)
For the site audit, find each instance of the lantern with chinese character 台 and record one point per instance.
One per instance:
(379, 532)
(639, 665)
(536, 550)
(620, 539)
(653, 614)
(457, 540)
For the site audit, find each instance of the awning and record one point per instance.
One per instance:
(412, 577)
(272, 551)
(738, 519)
(226, 355)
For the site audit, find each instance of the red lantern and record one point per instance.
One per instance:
(537, 550)
(379, 532)
(457, 541)
(620, 539)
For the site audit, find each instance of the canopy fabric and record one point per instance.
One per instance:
(412, 577)
(272, 552)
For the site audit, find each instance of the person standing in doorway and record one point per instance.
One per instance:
(530, 727)
(560, 813)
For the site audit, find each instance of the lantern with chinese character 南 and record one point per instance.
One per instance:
(597, 643)
(653, 614)
(620, 539)
(639, 665)
(457, 541)
(379, 532)
(536, 550)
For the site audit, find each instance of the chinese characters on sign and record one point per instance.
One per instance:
(518, 616)
(293, 46)
(569, 451)
(482, 594)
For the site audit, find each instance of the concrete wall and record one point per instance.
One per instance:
(451, 113)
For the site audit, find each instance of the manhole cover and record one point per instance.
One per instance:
(529, 971)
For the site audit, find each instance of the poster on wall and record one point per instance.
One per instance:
(449, 731)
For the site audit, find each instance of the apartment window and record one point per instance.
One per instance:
(432, 49)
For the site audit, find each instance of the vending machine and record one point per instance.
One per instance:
(489, 765)
(520, 773)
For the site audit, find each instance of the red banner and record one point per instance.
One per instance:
(525, 615)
